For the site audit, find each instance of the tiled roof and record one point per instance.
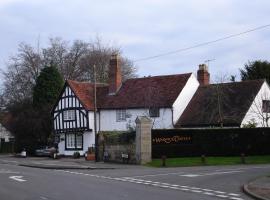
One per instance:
(84, 91)
(235, 100)
(156, 91)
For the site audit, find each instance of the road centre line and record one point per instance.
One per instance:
(219, 170)
(220, 194)
(149, 175)
(210, 174)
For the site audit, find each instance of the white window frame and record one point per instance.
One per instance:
(74, 141)
(121, 115)
(69, 115)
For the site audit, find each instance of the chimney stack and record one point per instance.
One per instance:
(203, 75)
(115, 76)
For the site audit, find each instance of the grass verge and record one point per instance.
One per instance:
(197, 161)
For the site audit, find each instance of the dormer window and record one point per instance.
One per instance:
(266, 106)
(69, 115)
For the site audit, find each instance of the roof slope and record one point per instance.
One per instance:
(157, 91)
(235, 100)
(85, 92)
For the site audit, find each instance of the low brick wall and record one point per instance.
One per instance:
(114, 145)
(129, 147)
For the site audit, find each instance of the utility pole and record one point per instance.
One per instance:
(95, 115)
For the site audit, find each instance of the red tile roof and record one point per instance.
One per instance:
(156, 91)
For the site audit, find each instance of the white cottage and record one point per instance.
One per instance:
(179, 100)
(5, 135)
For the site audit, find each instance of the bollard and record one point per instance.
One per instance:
(203, 159)
(163, 158)
(243, 158)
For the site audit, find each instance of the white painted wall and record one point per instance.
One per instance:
(255, 111)
(88, 141)
(5, 134)
(184, 97)
(108, 119)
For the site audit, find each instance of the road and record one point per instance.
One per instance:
(219, 182)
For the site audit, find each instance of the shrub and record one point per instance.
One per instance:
(76, 155)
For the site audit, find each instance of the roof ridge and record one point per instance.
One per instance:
(169, 75)
(85, 82)
(236, 82)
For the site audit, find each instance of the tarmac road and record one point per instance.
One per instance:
(216, 182)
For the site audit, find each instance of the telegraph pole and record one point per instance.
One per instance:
(95, 115)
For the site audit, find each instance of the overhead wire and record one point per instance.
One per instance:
(202, 44)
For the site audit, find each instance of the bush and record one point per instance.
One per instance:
(119, 137)
(76, 155)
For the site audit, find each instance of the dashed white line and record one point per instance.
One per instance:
(184, 188)
(209, 174)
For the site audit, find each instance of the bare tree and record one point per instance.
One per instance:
(74, 61)
(21, 74)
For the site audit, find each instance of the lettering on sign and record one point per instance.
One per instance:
(176, 139)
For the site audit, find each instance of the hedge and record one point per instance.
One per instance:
(213, 142)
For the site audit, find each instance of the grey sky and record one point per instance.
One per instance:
(144, 28)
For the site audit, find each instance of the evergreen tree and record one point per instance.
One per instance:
(46, 91)
(47, 88)
(256, 70)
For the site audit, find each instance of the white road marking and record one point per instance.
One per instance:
(219, 192)
(222, 196)
(184, 188)
(209, 193)
(235, 198)
(149, 175)
(209, 174)
(232, 194)
(17, 178)
(6, 171)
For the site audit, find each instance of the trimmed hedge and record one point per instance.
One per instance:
(118, 137)
(214, 142)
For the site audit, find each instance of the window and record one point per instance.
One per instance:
(121, 115)
(154, 112)
(69, 115)
(266, 106)
(74, 141)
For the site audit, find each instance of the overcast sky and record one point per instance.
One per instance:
(145, 28)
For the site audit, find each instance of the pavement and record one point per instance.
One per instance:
(62, 163)
(259, 188)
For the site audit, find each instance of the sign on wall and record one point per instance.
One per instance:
(161, 139)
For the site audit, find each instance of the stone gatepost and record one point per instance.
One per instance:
(143, 140)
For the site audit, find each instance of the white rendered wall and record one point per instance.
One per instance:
(255, 111)
(184, 97)
(108, 119)
(4, 133)
(88, 141)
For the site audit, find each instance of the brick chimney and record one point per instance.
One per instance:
(115, 76)
(203, 75)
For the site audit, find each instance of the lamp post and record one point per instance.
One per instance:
(95, 116)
